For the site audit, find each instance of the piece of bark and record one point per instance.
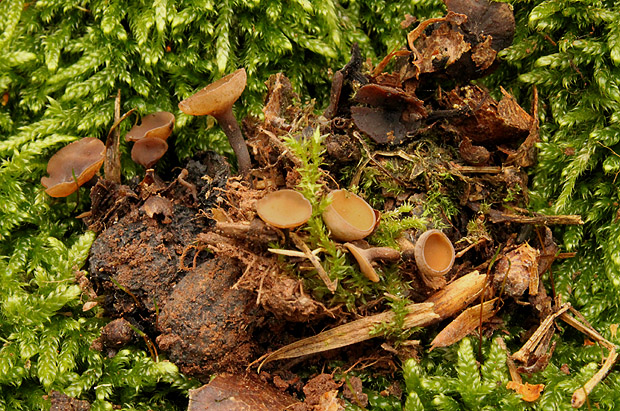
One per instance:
(455, 296)
(245, 392)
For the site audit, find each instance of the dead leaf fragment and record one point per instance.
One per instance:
(464, 324)
(230, 392)
(515, 271)
(529, 392)
(490, 120)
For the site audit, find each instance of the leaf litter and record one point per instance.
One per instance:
(185, 260)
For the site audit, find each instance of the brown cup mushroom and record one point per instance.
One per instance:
(73, 165)
(217, 100)
(284, 209)
(158, 125)
(148, 150)
(365, 258)
(349, 217)
(434, 253)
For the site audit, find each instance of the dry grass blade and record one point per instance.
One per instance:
(351, 333)
(464, 324)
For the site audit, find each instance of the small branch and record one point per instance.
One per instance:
(580, 396)
(476, 169)
(331, 285)
(293, 253)
(501, 217)
(530, 345)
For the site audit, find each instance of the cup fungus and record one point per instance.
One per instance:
(365, 258)
(148, 150)
(284, 209)
(158, 125)
(217, 100)
(434, 253)
(73, 165)
(349, 217)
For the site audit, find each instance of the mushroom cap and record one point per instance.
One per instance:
(217, 97)
(284, 208)
(349, 217)
(365, 264)
(158, 125)
(148, 150)
(82, 158)
(434, 253)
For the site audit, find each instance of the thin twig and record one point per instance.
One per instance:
(331, 285)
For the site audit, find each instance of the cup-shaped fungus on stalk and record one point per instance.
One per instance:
(366, 257)
(434, 253)
(73, 165)
(158, 125)
(284, 209)
(148, 150)
(217, 100)
(349, 217)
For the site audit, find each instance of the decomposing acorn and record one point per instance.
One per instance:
(217, 100)
(366, 256)
(434, 254)
(349, 217)
(158, 125)
(284, 209)
(73, 165)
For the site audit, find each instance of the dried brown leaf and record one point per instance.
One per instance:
(464, 324)
(356, 331)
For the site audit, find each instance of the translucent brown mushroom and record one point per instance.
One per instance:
(366, 257)
(72, 166)
(217, 100)
(148, 150)
(434, 253)
(158, 125)
(284, 209)
(349, 217)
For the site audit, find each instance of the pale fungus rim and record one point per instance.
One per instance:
(434, 238)
(343, 214)
(284, 208)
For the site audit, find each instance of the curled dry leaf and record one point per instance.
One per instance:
(529, 392)
(490, 121)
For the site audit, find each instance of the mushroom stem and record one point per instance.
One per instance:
(229, 124)
(365, 258)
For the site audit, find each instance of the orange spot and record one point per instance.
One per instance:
(5, 98)
(587, 343)
(529, 392)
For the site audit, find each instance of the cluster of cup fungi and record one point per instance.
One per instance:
(350, 219)
(77, 163)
